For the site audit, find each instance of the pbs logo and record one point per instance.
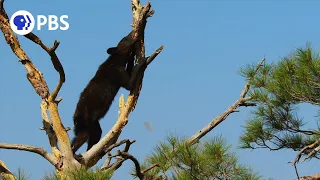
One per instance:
(22, 22)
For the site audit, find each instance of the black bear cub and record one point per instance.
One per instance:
(95, 100)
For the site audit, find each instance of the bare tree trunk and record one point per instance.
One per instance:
(62, 157)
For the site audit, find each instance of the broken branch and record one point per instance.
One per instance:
(154, 55)
(119, 162)
(54, 59)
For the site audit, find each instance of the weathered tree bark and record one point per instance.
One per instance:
(312, 177)
(5, 173)
(62, 157)
(140, 14)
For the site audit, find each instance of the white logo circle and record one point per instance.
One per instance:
(22, 22)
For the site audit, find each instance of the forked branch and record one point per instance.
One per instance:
(51, 100)
(123, 156)
(315, 148)
(114, 166)
(110, 148)
(54, 59)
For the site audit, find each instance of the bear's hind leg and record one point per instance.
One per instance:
(95, 132)
(79, 140)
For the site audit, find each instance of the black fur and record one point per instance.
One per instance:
(97, 97)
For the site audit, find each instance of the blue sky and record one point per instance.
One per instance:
(193, 80)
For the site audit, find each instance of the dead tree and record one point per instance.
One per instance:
(62, 157)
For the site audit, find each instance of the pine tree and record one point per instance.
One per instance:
(278, 90)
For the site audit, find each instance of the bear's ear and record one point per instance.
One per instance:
(112, 51)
